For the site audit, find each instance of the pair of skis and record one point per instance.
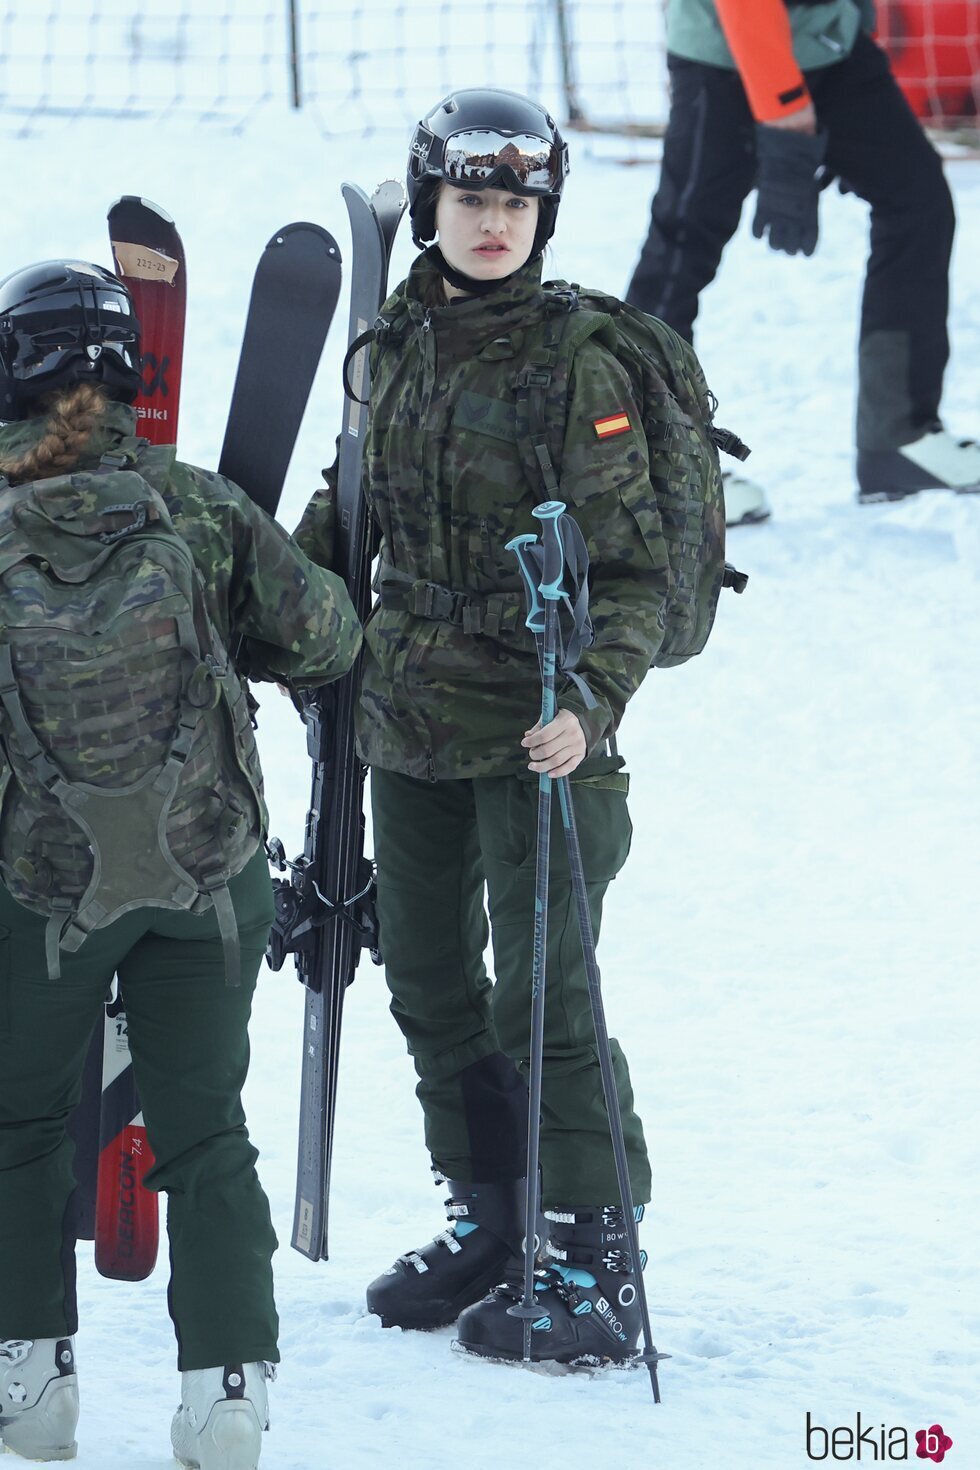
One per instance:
(294, 296)
(325, 908)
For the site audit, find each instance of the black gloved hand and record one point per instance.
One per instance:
(789, 185)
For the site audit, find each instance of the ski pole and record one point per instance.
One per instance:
(552, 542)
(649, 1356)
(542, 619)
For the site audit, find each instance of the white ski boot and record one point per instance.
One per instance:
(222, 1414)
(936, 461)
(38, 1397)
(745, 501)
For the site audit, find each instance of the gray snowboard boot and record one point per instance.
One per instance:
(38, 1397)
(223, 1413)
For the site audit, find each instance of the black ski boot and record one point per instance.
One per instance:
(431, 1286)
(587, 1295)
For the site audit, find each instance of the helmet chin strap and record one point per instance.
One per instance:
(469, 284)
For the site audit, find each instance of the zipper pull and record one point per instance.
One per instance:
(427, 321)
(430, 768)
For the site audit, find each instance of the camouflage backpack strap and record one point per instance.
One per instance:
(541, 392)
(219, 684)
(541, 386)
(155, 463)
(383, 333)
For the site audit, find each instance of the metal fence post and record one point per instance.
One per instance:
(294, 56)
(565, 47)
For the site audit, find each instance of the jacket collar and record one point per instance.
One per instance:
(116, 433)
(469, 323)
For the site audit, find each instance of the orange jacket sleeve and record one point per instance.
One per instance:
(761, 41)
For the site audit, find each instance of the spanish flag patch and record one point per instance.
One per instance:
(614, 423)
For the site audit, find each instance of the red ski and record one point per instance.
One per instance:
(149, 257)
(127, 1217)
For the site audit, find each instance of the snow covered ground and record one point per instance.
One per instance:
(788, 951)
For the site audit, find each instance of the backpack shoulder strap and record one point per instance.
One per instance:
(155, 462)
(385, 331)
(541, 385)
(152, 462)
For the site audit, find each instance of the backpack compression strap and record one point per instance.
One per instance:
(155, 463)
(379, 333)
(565, 331)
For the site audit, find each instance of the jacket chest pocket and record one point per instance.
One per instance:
(492, 501)
(486, 417)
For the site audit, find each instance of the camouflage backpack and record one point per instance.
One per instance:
(677, 410)
(129, 771)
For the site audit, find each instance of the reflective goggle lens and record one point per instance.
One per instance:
(474, 156)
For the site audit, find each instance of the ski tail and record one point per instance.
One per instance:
(127, 1220)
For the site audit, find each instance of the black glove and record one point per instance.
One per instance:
(789, 184)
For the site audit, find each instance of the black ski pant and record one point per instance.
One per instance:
(440, 846)
(188, 1032)
(878, 150)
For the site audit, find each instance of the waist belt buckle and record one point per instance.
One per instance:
(459, 605)
(439, 603)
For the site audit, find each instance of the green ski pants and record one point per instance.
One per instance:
(188, 1033)
(438, 846)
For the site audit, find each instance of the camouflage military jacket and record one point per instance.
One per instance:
(452, 696)
(297, 619)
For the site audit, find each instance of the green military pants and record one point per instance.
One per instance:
(189, 1039)
(438, 846)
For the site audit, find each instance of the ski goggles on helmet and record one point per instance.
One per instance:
(482, 157)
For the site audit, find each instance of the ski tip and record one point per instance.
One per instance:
(353, 191)
(392, 193)
(389, 202)
(143, 204)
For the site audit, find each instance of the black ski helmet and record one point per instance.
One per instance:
(483, 137)
(64, 322)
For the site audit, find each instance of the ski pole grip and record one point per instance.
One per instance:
(535, 607)
(549, 515)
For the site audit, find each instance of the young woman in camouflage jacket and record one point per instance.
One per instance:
(447, 722)
(68, 373)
